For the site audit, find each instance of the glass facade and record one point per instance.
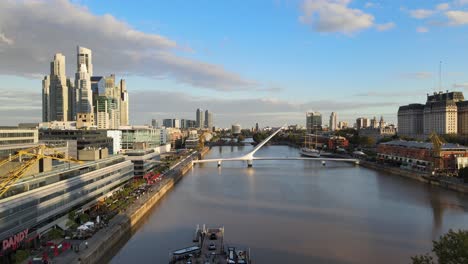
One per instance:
(76, 186)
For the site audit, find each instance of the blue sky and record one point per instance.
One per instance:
(267, 61)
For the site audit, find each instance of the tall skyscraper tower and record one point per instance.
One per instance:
(55, 92)
(333, 123)
(313, 121)
(200, 118)
(84, 56)
(84, 92)
(124, 121)
(208, 119)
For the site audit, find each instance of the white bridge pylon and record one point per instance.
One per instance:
(249, 157)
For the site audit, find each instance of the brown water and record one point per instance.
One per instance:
(299, 212)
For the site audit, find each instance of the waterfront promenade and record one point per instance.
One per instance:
(100, 246)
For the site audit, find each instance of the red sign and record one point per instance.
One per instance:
(14, 241)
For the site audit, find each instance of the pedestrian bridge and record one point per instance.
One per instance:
(249, 157)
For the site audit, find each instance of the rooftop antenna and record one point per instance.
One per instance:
(440, 76)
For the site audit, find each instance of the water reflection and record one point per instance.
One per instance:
(300, 212)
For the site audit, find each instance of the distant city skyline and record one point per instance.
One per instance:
(284, 59)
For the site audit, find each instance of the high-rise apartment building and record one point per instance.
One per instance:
(313, 121)
(83, 81)
(208, 119)
(171, 122)
(333, 122)
(154, 123)
(362, 122)
(84, 56)
(124, 100)
(92, 101)
(342, 124)
(55, 92)
(200, 118)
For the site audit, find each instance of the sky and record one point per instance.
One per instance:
(265, 61)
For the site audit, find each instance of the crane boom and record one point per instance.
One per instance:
(35, 154)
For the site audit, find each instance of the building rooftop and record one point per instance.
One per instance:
(411, 107)
(424, 145)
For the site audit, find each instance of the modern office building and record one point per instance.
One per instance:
(43, 201)
(200, 117)
(333, 122)
(84, 138)
(154, 123)
(84, 56)
(208, 119)
(168, 122)
(145, 160)
(172, 123)
(13, 139)
(140, 137)
(313, 121)
(186, 123)
(84, 95)
(124, 103)
(55, 92)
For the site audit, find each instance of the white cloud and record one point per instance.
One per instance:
(369, 5)
(461, 2)
(41, 28)
(418, 75)
(457, 18)
(443, 6)
(460, 85)
(334, 16)
(385, 27)
(422, 29)
(421, 13)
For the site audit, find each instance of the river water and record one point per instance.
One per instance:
(299, 212)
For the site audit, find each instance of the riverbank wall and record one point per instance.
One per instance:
(122, 226)
(446, 183)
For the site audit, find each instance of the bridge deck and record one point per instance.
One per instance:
(275, 158)
(249, 157)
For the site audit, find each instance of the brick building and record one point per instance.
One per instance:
(420, 156)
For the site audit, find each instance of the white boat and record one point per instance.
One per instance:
(308, 152)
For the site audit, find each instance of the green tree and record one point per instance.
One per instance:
(366, 141)
(452, 248)
(240, 138)
(84, 218)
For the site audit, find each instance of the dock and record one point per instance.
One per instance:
(208, 247)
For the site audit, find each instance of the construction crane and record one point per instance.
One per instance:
(436, 149)
(27, 158)
(436, 144)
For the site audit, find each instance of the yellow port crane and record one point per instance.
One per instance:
(436, 144)
(436, 149)
(25, 159)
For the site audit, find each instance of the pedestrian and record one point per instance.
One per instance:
(86, 244)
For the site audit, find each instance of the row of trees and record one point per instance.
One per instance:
(452, 248)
